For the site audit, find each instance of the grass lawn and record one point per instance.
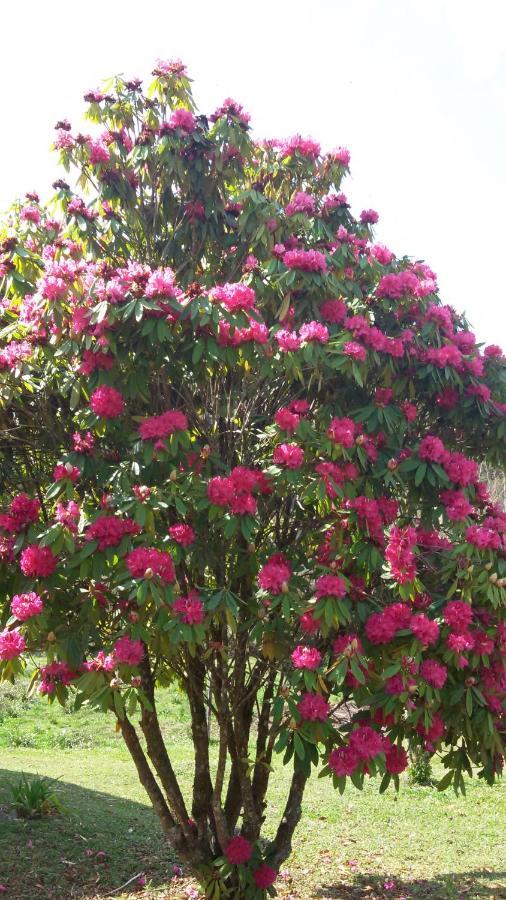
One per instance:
(421, 844)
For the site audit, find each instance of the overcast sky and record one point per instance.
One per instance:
(416, 89)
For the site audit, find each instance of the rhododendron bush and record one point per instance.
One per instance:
(240, 452)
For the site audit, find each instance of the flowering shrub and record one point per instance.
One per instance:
(248, 441)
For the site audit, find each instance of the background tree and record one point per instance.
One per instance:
(239, 451)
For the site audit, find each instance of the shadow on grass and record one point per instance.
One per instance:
(56, 857)
(451, 886)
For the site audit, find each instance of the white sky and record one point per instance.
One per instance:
(416, 89)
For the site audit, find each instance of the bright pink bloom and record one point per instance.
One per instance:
(308, 623)
(289, 455)
(329, 586)
(313, 707)
(183, 119)
(432, 449)
(127, 651)
(342, 431)
(162, 283)
(107, 402)
(264, 876)
(109, 531)
(334, 311)
(424, 629)
(275, 574)
(190, 609)
(433, 673)
(161, 427)
(343, 761)
(63, 471)
(288, 340)
(305, 260)
(301, 203)
(397, 759)
(458, 615)
(369, 216)
(306, 658)
(314, 332)
(234, 297)
(182, 534)
(147, 561)
(355, 351)
(238, 850)
(366, 742)
(399, 553)
(37, 562)
(24, 606)
(287, 420)
(12, 643)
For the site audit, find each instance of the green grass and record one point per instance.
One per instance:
(421, 844)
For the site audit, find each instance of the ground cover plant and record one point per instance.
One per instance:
(240, 454)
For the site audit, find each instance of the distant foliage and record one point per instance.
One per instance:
(239, 450)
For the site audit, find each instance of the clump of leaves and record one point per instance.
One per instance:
(420, 770)
(35, 796)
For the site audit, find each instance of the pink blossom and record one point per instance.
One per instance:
(37, 562)
(342, 431)
(314, 332)
(238, 850)
(288, 340)
(313, 707)
(24, 606)
(343, 761)
(109, 531)
(127, 651)
(433, 673)
(301, 203)
(329, 586)
(424, 629)
(432, 449)
(458, 615)
(305, 260)
(107, 402)
(145, 562)
(369, 216)
(397, 760)
(334, 311)
(355, 351)
(287, 420)
(275, 574)
(161, 427)
(264, 876)
(182, 534)
(306, 658)
(366, 742)
(183, 119)
(289, 455)
(234, 297)
(12, 643)
(190, 609)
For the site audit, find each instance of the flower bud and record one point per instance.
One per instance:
(251, 548)
(51, 637)
(173, 475)
(133, 616)
(136, 681)
(115, 684)
(360, 439)
(392, 464)
(493, 577)
(149, 574)
(487, 566)
(284, 588)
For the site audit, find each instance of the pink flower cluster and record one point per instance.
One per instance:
(161, 427)
(23, 511)
(305, 260)
(24, 606)
(274, 576)
(343, 432)
(234, 297)
(381, 627)
(190, 609)
(313, 707)
(301, 203)
(109, 531)
(107, 402)
(330, 586)
(399, 553)
(145, 562)
(182, 534)
(37, 562)
(306, 658)
(127, 651)
(12, 643)
(236, 490)
(291, 456)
